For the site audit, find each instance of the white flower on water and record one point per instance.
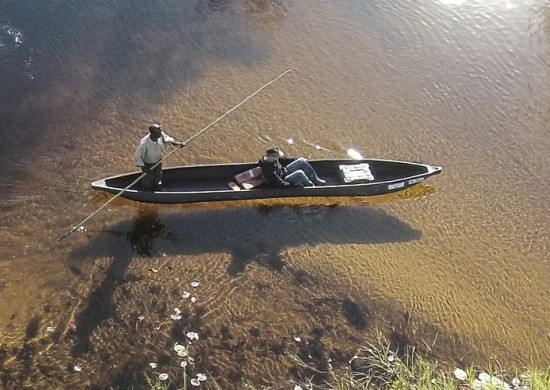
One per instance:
(195, 284)
(193, 299)
(195, 382)
(477, 384)
(192, 335)
(77, 368)
(177, 314)
(183, 364)
(179, 347)
(201, 377)
(186, 294)
(297, 339)
(460, 374)
(153, 365)
(163, 376)
(484, 377)
(183, 353)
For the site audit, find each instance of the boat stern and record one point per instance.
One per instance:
(99, 185)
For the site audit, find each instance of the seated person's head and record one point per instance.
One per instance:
(273, 154)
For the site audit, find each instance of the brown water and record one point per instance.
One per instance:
(460, 266)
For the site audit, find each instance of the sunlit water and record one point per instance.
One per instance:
(459, 265)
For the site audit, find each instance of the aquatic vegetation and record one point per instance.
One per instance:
(374, 366)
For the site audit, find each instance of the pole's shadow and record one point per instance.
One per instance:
(248, 234)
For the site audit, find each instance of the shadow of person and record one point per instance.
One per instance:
(248, 234)
(146, 228)
(141, 236)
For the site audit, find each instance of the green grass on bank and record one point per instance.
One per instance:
(376, 367)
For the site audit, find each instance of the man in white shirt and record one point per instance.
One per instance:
(149, 152)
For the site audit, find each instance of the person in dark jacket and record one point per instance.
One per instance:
(286, 172)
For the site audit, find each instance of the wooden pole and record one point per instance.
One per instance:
(169, 154)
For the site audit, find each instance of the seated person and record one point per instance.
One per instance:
(285, 172)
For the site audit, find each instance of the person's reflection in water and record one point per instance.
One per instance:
(147, 227)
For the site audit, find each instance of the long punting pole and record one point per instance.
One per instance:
(169, 154)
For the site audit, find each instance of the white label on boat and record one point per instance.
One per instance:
(396, 185)
(417, 180)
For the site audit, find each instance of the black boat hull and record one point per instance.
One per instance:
(208, 183)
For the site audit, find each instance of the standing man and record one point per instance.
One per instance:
(149, 152)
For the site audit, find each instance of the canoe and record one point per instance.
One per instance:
(207, 183)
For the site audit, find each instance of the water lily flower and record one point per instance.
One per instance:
(192, 335)
(163, 376)
(460, 374)
(195, 382)
(195, 284)
(484, 377)
(201, 377)
(179, 347)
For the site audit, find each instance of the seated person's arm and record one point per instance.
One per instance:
(274, 179)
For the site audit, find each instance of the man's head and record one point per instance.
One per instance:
(274, 152)
(156, 131)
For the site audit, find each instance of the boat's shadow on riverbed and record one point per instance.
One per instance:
(248, 234)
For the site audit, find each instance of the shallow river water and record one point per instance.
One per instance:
(458, 266)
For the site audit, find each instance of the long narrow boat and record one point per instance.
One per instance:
(206, 183)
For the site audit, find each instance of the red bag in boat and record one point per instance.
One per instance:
(249, 179)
